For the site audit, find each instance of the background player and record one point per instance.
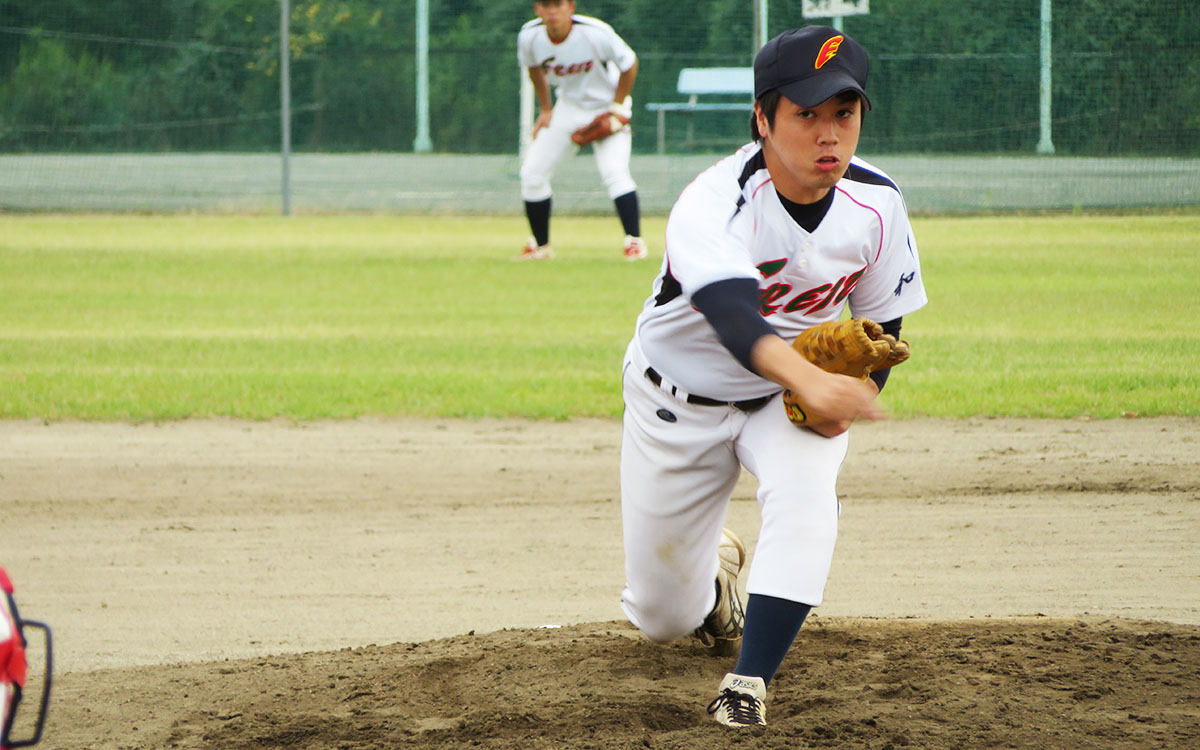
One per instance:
(769, 242)
(13, 668)
(592, 70)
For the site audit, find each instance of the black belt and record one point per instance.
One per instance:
(750, 404)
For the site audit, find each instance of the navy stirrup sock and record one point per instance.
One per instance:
(771, 626)
(538, 213)
(627, 211)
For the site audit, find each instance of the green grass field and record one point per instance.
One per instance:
(166, 317)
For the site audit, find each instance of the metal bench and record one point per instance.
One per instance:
(697, 82)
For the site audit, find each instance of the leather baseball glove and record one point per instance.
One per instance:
(603, 125)
(855, 347)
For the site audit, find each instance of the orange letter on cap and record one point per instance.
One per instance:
(828, 50)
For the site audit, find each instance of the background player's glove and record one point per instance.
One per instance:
(603, 125)
(855, 347)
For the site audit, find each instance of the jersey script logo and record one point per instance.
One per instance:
(904, 279)
(828, 50)
(810, 300)
(566, 70)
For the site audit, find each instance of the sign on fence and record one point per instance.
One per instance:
(834, 8)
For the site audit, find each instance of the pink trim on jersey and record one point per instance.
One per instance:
(879, 250)
(766, 182)
(754, 195)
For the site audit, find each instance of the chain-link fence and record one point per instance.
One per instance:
(141, 105)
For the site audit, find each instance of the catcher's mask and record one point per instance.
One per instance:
(14, 668)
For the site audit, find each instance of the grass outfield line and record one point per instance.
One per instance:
(165, 317)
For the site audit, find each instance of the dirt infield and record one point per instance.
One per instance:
(445, 584)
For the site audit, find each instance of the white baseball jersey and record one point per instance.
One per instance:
(728, 223)
(584, 67)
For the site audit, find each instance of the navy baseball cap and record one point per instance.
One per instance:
(811, 64)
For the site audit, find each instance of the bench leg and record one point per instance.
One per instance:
(662, 141)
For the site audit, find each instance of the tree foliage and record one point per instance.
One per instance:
(947, 75)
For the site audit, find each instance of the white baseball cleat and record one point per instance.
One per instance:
(534, 251)
(721, 631)
(635, 249)
(741, 702)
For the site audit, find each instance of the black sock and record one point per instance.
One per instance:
(538, 213)
(771, 626)
(627, 210)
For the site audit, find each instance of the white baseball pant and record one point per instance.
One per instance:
(676, 481)
(553, 145)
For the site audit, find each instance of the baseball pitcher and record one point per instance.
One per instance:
(740, 358)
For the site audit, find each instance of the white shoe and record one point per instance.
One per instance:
(741, 702)
(635, 249)
(534, 251)
(721, 631)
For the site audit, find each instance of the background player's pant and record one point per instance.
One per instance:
(553, 145)
(676, 481)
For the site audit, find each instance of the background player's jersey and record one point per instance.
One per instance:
(728, 223)
(584, 67)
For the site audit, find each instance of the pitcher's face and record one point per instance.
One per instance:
(809, 148)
